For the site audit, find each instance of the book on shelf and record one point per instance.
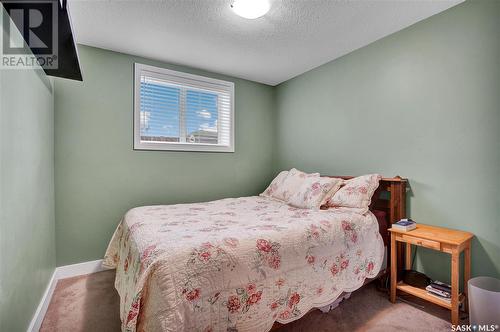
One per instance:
(438, 292)
(441, 286)
(405, 225)
(446, 299)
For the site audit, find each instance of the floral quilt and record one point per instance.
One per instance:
(237, 264)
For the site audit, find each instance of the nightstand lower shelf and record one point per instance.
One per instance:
(422, 293)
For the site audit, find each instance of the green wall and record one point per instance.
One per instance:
(99, 176)
(27, 243)
(423, 103)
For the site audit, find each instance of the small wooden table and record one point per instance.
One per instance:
(438, 238)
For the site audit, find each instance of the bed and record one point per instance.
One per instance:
(242, 264)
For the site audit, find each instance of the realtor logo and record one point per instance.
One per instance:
(29, 25)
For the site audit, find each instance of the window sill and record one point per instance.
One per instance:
(156, 146)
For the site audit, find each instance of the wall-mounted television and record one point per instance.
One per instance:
(45, 26)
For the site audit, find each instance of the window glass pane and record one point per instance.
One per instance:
(201, 117)
(160, 105)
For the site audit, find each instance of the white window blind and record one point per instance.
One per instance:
(179, 111)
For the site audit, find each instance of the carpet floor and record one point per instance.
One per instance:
(90, 303)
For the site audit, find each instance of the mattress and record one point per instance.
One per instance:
(237, 264)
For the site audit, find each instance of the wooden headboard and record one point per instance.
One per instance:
(390, 197)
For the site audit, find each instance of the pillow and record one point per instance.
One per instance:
(275, 184)
(356, 193)
(292, 183)
(311, 193)
(332, 192)
(283, 186)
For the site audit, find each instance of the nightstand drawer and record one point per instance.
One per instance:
(421, 242)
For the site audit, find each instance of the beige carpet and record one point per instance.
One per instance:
(90, 303)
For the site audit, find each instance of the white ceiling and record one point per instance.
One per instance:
(294, 37)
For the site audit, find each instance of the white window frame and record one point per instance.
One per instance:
(205, 84)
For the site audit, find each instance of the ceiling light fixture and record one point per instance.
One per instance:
(251, 9)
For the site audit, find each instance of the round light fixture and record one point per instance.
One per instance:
(251, 9)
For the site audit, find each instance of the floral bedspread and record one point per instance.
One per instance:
(237, 264)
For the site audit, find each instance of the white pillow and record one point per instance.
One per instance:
(356, 194)
(286, 183)
(275, 184)
(292, 183)
(312, 192)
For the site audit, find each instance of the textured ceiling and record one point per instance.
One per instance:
(294, 37)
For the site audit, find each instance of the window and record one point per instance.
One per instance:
(179, 111)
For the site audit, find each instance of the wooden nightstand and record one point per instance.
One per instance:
(442, 239)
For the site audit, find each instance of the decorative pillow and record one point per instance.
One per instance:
(313, 190)
(326, 198)
(292, 183)
(356, 193)
(275, 184)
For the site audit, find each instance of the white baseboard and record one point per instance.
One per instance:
(36, 322)
(79, 269)
(61, 272)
